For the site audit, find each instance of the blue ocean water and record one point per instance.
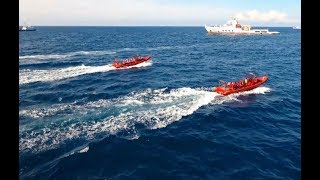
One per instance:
(79, 118)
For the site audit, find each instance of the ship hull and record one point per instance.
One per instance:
(232, 30)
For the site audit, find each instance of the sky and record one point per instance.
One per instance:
(281, 13)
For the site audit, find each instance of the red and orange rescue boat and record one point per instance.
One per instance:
(130, 62)
(248, 83)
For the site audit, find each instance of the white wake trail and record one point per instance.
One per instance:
(152, 108)
(66, 55)
(28, 76)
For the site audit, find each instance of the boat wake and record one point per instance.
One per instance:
(65, 55)
(122, 116)
(29, 76)
(71, 55)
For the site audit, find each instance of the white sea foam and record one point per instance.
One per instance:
(127, 49)
(152, 108)
(84, 150)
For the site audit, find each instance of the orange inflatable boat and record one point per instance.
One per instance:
(248, 83)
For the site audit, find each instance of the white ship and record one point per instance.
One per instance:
(296, 27)
(26, 28)
(233, 27)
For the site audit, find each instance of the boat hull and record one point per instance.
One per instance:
(226, 91)
(132, 62)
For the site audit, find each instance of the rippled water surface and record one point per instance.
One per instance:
(80, 118)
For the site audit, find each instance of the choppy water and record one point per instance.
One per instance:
(80, 118)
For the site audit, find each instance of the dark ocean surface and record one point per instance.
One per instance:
(80, 118)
